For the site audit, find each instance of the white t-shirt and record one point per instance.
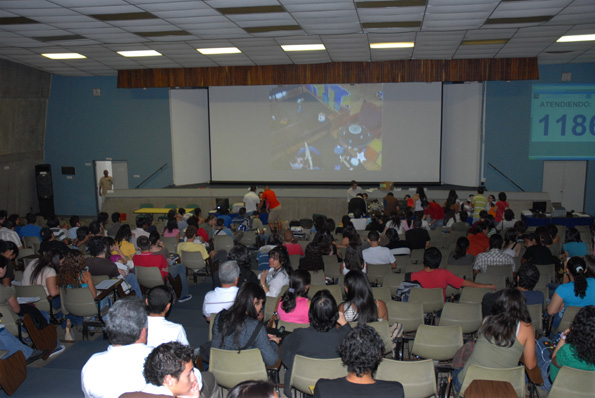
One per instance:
(41, 279)
(378, 255)
(160, 331)
(251, 201)
(218, 300)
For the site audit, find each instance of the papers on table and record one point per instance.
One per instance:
(27, 300)
(106, 284)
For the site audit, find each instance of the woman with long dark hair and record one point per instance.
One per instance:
(273, 279)
(294, 304)
(574, 246)
(171, 229)
(354, 260)
(123, 237)
(73, 274)
(43, 272)
(503, 337)
(511, 246)
(350, 237)
(359, 304)
(575, 348)
(459, 256)
(312, 260)
(394, 222)
(578, 289)
(238, 327)
(452, 207)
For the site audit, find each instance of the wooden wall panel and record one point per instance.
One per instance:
(335, 72)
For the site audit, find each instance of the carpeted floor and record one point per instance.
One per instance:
(61, 376)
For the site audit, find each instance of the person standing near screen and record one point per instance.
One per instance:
(251, 200)
(353, 191)
(270, 197)
(106, 183)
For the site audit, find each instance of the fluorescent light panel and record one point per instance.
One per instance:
(303, 47)
(64, 56)
(392, 45)
(221, 50)
(141, 53)
(572, 38)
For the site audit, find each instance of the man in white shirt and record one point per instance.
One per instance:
(160, 330)
(353, 191)
(251, 200)
(222, 297)
(8, 234)
(377, 254)
(119, 369)
(141, 228)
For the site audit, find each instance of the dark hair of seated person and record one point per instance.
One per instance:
(582, 334)
(158, 298)
(323, 311)
(361, 350)
(167, 359)
(232, 320)
(298, 287)
(359, 295)
(528, 275)
(253, 389)
(432, 258)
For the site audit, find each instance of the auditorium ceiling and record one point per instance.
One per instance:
(438, 29)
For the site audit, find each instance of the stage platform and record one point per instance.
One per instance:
(297, 201)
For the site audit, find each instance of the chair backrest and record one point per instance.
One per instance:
(573, 383)
(462, 271)
(248, 238)
(335, 291)
(505, 270)
(377, 272)
(496, 279)
(294, 259)
(383, 330)
(473, 294)
(515, 376)
(192, 260)
(99, 278)
(307, 371)
(417, 256)
(290, 326)
(25, 252)
(231, 368)
(417, 377)
(9, 320)
(392, 281)
(410, 315)
(432, 299)
(413, 268)
(382, 293)
(317, 278)
(170, 243)
(31, 242)
(437, 342)
(569, 314)
(466, 315)
(148, 276)
(269, 304)
(536, 313)
(79, 301)
(223, 242)
(332, 269)
(34, 291)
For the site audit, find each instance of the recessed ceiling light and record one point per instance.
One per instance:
(405, 44)
(571, 38)
(64, 56)
(220, 50)
(141, 53)
(303, 47)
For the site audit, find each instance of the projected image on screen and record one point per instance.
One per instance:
(326, 127)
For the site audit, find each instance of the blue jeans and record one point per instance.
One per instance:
(544, 359)
(11, 344)
(179, 269)
(133, 282)
(437, 224)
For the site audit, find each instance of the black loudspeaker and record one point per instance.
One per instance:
(45, 190)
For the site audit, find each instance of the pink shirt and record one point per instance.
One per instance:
(299, 313)
(171, 234)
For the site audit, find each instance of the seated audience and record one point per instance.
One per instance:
(190, 245)
(10, 251)
(148, 259)
(578, 289)
(241, 255)
(222, 229)
(361, 352)
(159, 330)
(350, 237)
(434, 213)
(526, 279)
(294, 304)
(503, 337)
(30, 230)
(312, 261)
(292, 247)
(512, 246)
(417, 236)
(575, 348)
(354, 260)
(222, 297)
(360, 304)
(171, 229)
(377, 254)
(43, 272)
(49, 242)
(460, 255)
(277, 276)
(397, 246)
(54, 225)
(537, 248)
(320, 339)
(238, 328)
(8, 234)
(573, 245)
(123, 240)
(253, 389)
(72, 273)
(432, 276)
(478, 240)
(493, 258)
(507, 221)
(395, 223)
(115, 226)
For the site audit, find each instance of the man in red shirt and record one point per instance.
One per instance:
(479, 241)
(148, 259)
(432, 277)
(434, 214)
(269, 197)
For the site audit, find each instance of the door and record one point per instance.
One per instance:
(564, 181)
(118, 169)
